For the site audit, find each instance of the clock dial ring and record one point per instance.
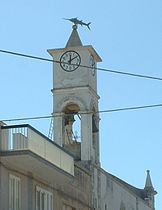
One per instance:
(70, 61)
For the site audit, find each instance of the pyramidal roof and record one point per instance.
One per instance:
(148, 183)
(74, 39)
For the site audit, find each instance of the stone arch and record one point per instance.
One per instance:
(71, 100)
(70, 107)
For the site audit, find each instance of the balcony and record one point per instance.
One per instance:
(24, 139)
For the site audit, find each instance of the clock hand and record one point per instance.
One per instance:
(74, 57)
(69, 62)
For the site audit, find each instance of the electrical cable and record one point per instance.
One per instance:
(27, 118)
(25, 55)
(102, 111)
(84, 66)
(131, 108)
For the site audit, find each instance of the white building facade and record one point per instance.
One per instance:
(64, 173)
(75, 93)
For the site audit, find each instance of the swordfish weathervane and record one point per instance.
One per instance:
(77, 22)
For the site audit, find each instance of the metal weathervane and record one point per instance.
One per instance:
(77, 22)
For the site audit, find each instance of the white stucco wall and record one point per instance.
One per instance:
(4, 188)
(81, 76)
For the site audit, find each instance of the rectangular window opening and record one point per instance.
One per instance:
(44, 199)
(14, 192)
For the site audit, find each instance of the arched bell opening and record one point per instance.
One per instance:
(72, 129)
(72, 123)
(95, 122)
(95, 135)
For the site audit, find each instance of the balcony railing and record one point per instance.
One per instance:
(25, 137)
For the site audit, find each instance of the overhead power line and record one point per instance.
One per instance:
(25, 55)
(131, 108)
(84, 66)
(102, 111)
(27, 118)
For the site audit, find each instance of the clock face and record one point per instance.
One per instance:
(70, 61)
(92, 65)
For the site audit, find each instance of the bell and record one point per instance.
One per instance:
(94, 127)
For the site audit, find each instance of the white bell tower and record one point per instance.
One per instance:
(75, 96)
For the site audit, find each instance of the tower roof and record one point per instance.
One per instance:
(74, 42)
(74, 39)
(148, 183)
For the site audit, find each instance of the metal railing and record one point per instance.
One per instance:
(14, 137)
(25, 137)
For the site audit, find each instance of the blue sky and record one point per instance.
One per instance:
(128, 36)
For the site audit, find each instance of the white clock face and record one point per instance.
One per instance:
(92, 65)
(70, 61)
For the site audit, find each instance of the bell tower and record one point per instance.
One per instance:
(75, 99)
